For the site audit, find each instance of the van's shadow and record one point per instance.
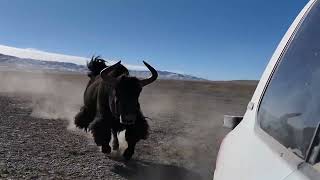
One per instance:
(139, 170)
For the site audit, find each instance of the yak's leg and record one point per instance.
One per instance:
(134, 134)
(115, 142)
(101, 126)
(132, 140)
(101, 132)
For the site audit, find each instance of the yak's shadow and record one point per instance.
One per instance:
(139, 170)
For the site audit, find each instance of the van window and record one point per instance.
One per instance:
(290, 108)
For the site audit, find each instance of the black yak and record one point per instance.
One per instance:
(111, 104)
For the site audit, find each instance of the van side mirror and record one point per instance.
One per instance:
(231, 122)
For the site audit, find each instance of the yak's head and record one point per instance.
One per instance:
(124, 98)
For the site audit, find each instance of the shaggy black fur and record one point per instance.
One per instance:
(95, 66)
(84, 118)
(97, 115)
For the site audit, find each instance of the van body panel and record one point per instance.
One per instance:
(249, 153)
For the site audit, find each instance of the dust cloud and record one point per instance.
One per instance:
(53, 96)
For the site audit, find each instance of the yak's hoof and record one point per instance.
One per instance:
(106, 149)
(127, 154)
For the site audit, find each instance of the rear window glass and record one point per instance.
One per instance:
(290, 108)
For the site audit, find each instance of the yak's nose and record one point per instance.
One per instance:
(128, 119)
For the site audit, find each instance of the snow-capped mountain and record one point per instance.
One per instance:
(27, 64)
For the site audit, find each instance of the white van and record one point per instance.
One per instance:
(278, 137)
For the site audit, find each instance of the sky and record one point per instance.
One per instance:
(216, 40)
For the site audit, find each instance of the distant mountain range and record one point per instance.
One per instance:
(25, 64)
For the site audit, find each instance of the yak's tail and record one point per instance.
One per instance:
(95, 66)
(84, 118)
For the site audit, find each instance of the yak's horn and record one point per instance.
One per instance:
(152, 78)
(105, 72)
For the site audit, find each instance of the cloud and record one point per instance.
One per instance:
(41, 55)
(33, 53)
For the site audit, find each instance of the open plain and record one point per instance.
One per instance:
(38, 139)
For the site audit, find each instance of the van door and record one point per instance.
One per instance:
(289, 110)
